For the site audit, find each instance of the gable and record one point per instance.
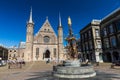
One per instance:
(45, 30)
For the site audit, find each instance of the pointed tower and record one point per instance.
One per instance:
(29, 39)
(60, 39)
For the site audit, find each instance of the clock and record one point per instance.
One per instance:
(46, 39)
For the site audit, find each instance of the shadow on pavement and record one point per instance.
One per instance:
(48, 76)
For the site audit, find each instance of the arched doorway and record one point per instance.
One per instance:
(107, 57)
(47, 54)
(115, 56)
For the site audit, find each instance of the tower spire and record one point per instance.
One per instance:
(30, 19)
(60, 24)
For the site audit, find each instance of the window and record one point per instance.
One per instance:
(90, 44)
(98, 44)
(86, 46)
(106, 43)
(14, 50)
(10, 50)
(83, 47)
(54, 52)
(89, 34)
(48, 30)
(23, 55)
(37, 51)
(100, 56)
(113, 42)
(111, 28)
(85, 35)
(82, 37)
(97, 33)
(9, 55)
(118, 25)
(119, 40)
(46, 39)
(14, 55)
(104, 31)
(44, 29)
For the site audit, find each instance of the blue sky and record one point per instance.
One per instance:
(15, 13)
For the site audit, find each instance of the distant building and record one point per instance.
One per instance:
(110, 35)
(91, 46)
(21, 50)
(12, 53)
(3, 53)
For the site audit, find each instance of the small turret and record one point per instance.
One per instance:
(60, 38)
(29, 39)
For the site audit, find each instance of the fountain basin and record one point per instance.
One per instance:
(71, 71)
(69, 63)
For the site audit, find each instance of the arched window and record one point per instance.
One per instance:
(48, 30)
(44, 29)
(54, 52)
(23, 55)
(37, 51)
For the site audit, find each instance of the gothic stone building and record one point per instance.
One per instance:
(45, 44)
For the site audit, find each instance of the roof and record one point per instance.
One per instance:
(22, 45)
(2, 46)
(93, 22)
(112, 14)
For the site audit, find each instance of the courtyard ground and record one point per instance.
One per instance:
(42, 71)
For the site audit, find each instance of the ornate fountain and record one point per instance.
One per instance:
(72, 68)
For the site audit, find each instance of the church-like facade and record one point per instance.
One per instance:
(45, 44)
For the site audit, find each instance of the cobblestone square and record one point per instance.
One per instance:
(43, 71)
